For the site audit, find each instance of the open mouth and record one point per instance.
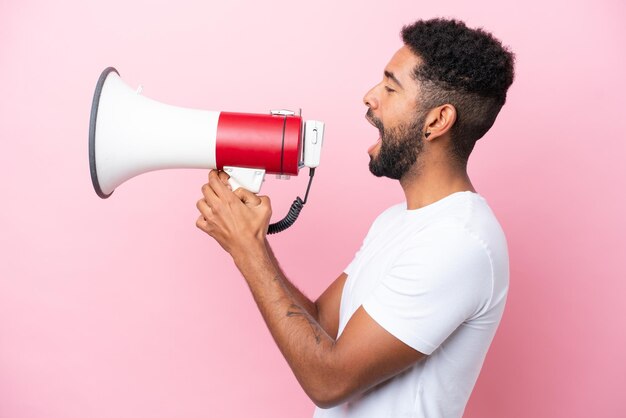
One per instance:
(375, 146)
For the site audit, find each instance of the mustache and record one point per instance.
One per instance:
(374, 120)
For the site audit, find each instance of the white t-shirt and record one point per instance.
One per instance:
(436, 278)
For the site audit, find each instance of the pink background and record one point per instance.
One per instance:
(122, 308)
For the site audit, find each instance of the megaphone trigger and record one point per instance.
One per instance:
(248, 178)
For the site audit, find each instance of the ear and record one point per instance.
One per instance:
(439, 121)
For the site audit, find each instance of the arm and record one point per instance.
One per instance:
(329, 370)
(302, 299)
(325, 310)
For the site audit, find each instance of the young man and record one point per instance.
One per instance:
(403, 332)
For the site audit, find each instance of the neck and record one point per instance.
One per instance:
(432, 180)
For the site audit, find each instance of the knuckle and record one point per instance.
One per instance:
(213, 181)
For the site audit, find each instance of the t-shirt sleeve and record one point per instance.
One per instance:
(436, 284)
(350, 267)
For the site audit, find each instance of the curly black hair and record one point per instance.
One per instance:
(467, 68)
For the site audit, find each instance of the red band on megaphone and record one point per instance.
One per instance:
(271, 142)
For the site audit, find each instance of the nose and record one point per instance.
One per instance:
(370, 100)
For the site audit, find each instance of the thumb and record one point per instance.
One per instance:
(247, 197)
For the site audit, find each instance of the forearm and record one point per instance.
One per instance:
(300, 298)
(303, 342)
(238, 222)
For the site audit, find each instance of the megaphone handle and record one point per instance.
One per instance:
(248, 178)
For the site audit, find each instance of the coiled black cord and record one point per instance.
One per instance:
(294, 210)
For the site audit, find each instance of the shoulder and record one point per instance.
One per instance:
(449, 246)
(466, 220)
(463, 246)
(457, 234)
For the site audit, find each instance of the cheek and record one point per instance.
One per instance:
(396, 111)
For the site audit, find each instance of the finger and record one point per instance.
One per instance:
(203, 224)
(218, 187)
(265, 200)
(247, 197)
(204, 208)
(209, 195)
(224, 178)
(266, 204)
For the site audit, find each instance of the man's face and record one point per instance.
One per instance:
(393, 109)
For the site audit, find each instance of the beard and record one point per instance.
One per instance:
(399, 148)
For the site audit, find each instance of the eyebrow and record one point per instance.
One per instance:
(390, 75)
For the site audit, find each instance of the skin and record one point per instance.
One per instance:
(435, 175)
(332, 370)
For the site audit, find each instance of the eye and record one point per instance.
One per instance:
(389, 89)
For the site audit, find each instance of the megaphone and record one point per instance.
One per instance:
(130, 134)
